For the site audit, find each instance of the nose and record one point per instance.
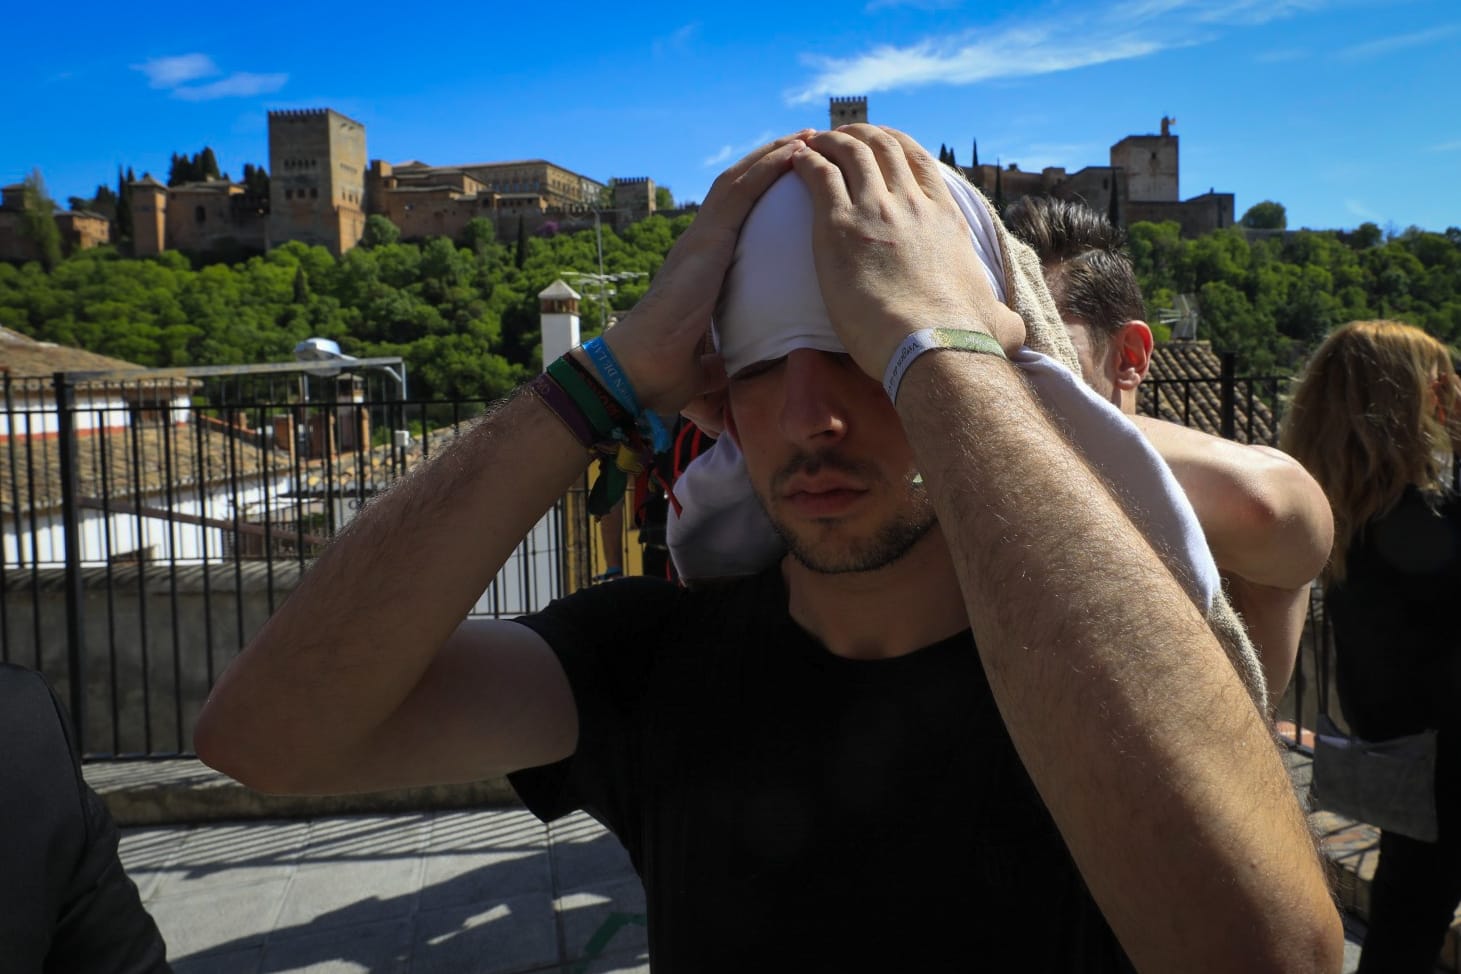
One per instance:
(813, 409)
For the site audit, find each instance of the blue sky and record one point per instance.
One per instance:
(1342, 110)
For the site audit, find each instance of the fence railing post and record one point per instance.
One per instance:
(1229, 394)
(71, 538)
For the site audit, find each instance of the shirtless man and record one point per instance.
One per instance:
(1266, 520)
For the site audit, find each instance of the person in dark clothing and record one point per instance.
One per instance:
(965, 705)
(1375, 419)
(66, 904)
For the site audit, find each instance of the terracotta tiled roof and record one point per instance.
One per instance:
(1186, 380)
(24, 357)
(105, 466)
(209, 454)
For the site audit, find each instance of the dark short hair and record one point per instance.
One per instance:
(1085, 261)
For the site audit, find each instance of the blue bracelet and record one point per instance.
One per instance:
(617, 382)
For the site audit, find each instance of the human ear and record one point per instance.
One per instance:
(1133, 341)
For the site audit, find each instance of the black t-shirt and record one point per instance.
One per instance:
(1397, 631)
(66, 905)
(791, 809)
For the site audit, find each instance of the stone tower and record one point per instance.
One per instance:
(149, 217)
(848, 111)
(1150, 164)
(317, 169)
(633, 199)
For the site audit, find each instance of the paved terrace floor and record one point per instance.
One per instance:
(487, 890)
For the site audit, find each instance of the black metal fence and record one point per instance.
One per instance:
(153, 519)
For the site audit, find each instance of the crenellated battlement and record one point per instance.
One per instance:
(847, 110)
(630, 180)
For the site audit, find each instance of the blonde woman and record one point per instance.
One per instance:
(1375, 420)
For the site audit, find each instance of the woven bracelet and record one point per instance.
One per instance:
(584, 396)
(562, 406)
(613, 377)
(620, 418)
(928, 339)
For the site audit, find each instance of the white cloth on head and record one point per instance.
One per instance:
(772, 304)
(764, 315)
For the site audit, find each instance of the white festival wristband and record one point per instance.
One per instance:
(928, 339)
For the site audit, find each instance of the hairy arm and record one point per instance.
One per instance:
(1268, 525)
(363, 680)
(1136, 730)
(368, 677)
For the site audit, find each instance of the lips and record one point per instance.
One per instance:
(822, 498)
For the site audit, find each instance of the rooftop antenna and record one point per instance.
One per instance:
(1182, 318)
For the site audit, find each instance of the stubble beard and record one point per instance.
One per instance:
(840, 553)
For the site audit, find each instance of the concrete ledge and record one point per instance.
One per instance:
(183, 791)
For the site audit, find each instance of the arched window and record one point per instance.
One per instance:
(200, 215)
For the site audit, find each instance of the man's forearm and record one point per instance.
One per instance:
(365, 622)
(1136, 730)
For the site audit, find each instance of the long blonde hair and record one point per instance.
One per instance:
(1366, 421)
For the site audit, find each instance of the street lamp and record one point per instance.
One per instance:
(325, 352)
(602, 278)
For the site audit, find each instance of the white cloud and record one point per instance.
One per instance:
(726, 153)
(676, 41)
(178, 72)
(1452, 146)
(1058, 41)
(1362, 211)
(1398, 42)
(241, 84)
(1249, 13)
(1010, 53)
(169, 72)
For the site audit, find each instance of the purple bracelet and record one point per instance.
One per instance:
(567, 411)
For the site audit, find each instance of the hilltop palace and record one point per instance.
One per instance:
(321, 190)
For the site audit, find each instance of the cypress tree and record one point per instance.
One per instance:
(124, 204)
(521, 255)
(1113, 211)
(952, 161)
(207, 165)
(974, 159)
(998, 189)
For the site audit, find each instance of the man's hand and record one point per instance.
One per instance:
(664, 343)
(892, 249)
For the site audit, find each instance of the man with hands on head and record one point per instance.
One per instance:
(1265, 518)
(939, 734)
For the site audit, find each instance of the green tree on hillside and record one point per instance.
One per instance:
(1267, 215)
(379, 231)
(38, 220)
